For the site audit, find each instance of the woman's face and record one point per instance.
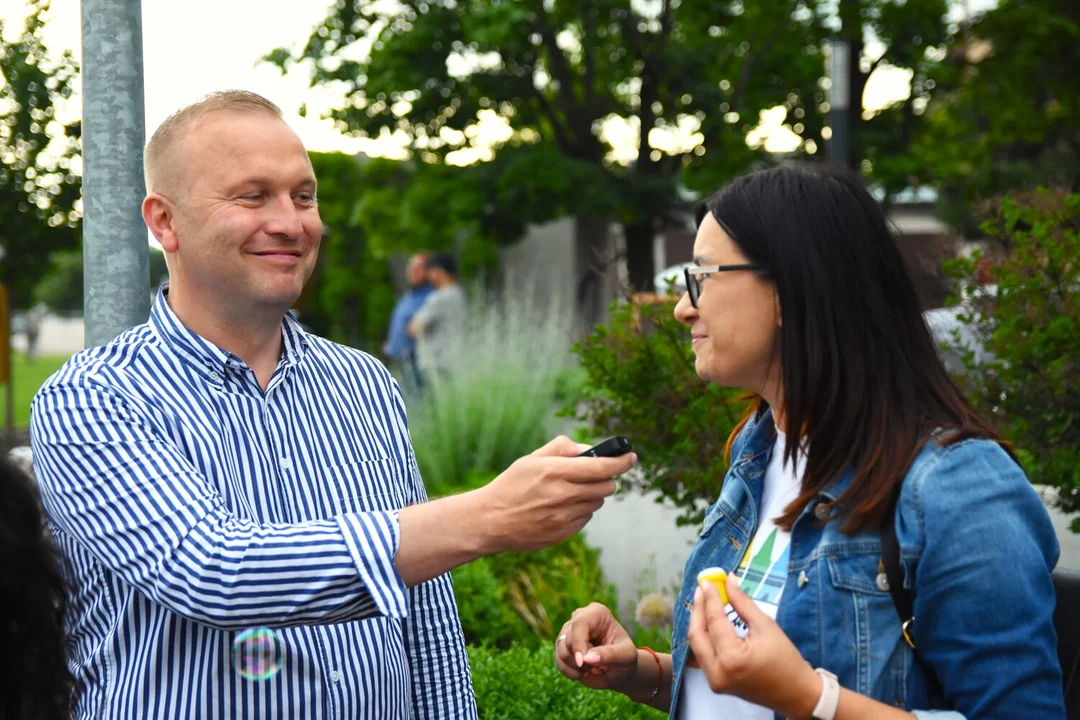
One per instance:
(735, 326)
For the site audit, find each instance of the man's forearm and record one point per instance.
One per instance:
(443, 534)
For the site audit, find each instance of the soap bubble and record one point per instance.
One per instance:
(258, 653)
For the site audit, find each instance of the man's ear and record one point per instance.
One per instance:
(160, 217)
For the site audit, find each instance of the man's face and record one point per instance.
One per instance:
(416, 270)
(247, 222)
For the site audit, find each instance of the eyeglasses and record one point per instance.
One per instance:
(696, 274)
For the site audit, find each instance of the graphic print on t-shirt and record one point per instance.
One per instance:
(762, 572)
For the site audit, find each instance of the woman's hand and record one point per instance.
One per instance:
(595, 650)
(764, 667)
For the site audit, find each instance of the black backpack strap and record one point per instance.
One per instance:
(902, 598)
(894, 571)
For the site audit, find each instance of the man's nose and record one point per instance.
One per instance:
(284, 219)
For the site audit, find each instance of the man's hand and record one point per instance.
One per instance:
(549, 495)
(542, 498)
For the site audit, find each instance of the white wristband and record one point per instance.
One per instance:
(830, 696)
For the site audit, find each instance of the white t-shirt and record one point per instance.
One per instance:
(762, 574)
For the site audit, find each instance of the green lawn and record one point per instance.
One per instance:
(28, 378)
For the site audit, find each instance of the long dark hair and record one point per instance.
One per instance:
(863, 383)
(32, 663)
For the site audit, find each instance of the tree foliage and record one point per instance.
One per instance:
(556, 72)
(1030, 385)
(61, 287)
(641, 382)
(38, 191)
(1005, 113)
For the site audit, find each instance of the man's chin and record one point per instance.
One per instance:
(283, 299)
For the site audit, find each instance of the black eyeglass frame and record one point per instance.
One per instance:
(693, 286)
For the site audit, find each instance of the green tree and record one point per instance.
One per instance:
(1030, 385)
(376, 209)
(904, 34)
(641, 382)
(38, 191)
(1006, 110)
(556, 72)
(350, 296)
(61, 289)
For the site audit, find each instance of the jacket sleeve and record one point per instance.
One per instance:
(984, 597)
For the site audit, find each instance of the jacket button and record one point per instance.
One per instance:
(822, 511)
(883, 582)
(802, 578)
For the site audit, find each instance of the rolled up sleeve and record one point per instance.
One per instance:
(131, 499)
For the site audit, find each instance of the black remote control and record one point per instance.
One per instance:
(612, 447)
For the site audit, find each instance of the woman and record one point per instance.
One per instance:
(801, 295)
(35, 675)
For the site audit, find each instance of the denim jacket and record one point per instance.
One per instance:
(976, 545)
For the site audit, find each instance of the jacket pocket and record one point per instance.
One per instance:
(712, 516)
(866, 628)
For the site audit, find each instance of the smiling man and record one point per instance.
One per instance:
(237, 503)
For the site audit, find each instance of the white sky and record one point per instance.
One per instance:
(192, 47)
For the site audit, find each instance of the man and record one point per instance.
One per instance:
(400, 346)
(440, 322)
(218, 470)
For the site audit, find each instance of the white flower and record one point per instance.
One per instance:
(654, 610)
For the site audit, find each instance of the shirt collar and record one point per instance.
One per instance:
(206, 357)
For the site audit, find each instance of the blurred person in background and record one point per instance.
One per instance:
(440, 322)
(400, 347)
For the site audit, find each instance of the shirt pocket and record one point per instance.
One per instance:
(367, 485)
(865, 627)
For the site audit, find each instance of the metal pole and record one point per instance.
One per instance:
(116, 273)
(839, 100)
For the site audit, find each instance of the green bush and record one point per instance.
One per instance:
(1030, 385)
(498, 402)
(523, 684)
(524, 598)
(641, 383)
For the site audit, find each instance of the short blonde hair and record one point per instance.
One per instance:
(173, 127)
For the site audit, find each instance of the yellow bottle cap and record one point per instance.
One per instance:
(717, 576)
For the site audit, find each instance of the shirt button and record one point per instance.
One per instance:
(215, 376)
(335, 676)
(286, 464)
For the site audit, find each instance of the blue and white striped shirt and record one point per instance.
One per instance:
(189, 506)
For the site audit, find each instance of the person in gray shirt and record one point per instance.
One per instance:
(439, 323)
